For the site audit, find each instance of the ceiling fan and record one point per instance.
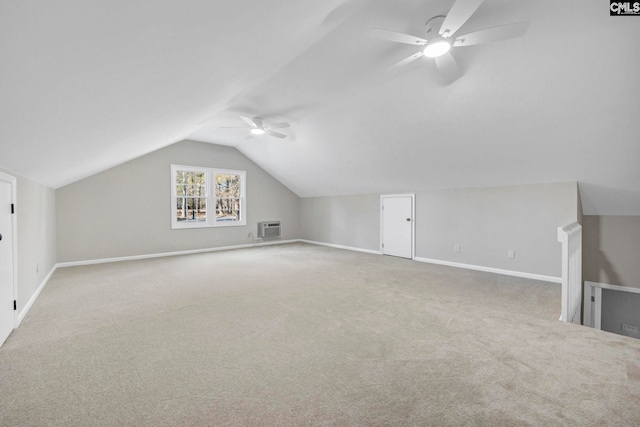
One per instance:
(257, 126)
(439, 39)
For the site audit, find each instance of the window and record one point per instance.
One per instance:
(205, 197)
(191, 196)
(228, 199)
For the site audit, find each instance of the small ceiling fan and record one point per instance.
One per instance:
(439, 39)
(257, 126)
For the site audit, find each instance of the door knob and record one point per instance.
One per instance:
(0, 236)
(408, 219)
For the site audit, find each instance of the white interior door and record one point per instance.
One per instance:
(6, 261)
(397, 225)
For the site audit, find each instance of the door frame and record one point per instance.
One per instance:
(593, 301)
(413, 220)
(10, 179)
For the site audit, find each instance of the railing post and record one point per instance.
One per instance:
(571, 238)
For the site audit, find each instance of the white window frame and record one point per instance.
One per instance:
(211, 221)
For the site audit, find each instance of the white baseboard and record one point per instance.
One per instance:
(166, 254)
(35, 295)
(492, 270)
(448, 263)
(311, 242)
(331, 245)
(33, 298)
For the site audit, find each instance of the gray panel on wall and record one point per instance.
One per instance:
(611, 249)
(489, 222)
(125, 210)
(352, 221)
(485, 222)
(620, 308)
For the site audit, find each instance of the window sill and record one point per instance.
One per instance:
(187, 226)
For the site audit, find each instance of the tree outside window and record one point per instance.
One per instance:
(196, 189)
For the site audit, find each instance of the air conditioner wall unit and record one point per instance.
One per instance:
(269, 230)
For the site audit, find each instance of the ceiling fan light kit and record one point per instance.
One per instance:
(436, 47)
(258, 127)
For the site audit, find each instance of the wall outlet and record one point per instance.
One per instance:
(250, 235)
(37, 268)
(629, 328)
(511, 254)
(456, 248)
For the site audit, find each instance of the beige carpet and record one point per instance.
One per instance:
(296, 335)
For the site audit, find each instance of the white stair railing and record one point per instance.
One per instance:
(571, 238)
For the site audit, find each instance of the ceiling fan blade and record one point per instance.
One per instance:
(394, 36)
(406, 61)
(448, 68)
(460, 13)
(249, 121)
(277, 125)
(276, 134)
(258, 122)
(494, 34)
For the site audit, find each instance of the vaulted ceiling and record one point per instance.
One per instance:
(87, 85)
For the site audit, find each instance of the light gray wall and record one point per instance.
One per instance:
(611, 249)
(36, 235)
(485, 222)
(125, 210)
(620, 307)
(342, 220)
(488, 222)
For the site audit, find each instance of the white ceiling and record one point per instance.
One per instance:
(87, 85)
